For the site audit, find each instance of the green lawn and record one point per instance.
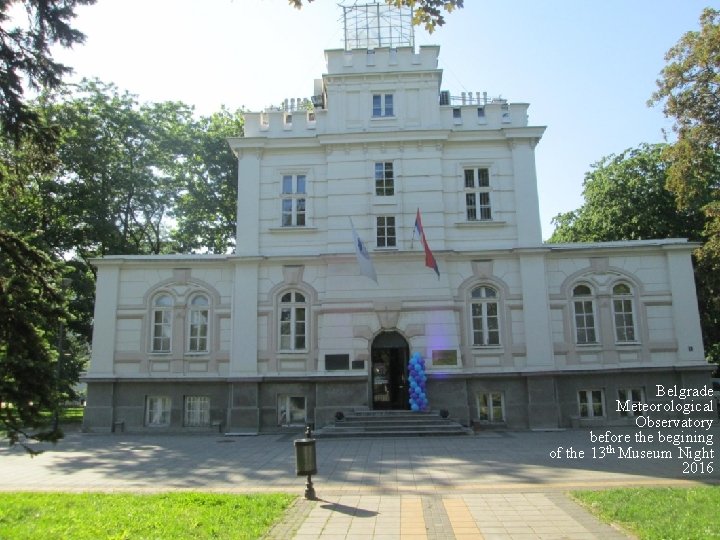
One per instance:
(68, 415)
(655, 513)
(96, 516)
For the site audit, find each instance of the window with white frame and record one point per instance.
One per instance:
(291, 410)
(198, 321)
(484, 314)
(590, 403)
(197, 411)
(477, 194)
(162, 323)
(382, 105)
(622, 305)
(584, 315)
(386, 236)
(384, 179)
(491, 407)
(293, 200)
(293, 321)
(157, 411)
(629, 397)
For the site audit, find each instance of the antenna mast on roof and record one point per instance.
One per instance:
(370, 26)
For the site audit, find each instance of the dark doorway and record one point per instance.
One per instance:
(390, 354)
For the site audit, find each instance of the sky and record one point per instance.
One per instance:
(587, 68)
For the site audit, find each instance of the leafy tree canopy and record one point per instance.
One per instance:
(429, 13)
(689, 91)
(33, 304)
(206, 203)
(626, 199)
(25, 55)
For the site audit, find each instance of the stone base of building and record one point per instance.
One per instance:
(529, 400)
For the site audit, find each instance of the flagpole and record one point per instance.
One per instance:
(412, 240)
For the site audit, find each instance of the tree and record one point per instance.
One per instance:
(689, 91)
(626, 199)
(206, 204)
(114, 186)
(128, 170)
(25, 55)
(33, 306)
(429, 13)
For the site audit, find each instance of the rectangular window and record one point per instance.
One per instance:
(293, 200)
(483, 178)
(157, 411)
(291, 410)
(384, 179)
(198, 330)
(491, 407)
(485, 324)
(623, 314)
(197, 411)
(292, 329)
(386, 232)
(477, 194)
(590, 403)
(162, 325)
(584, 321)
(382, 105)
(629, 397)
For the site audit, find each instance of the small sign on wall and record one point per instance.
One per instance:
(445, 357)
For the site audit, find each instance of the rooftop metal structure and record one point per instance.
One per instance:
(375, 25)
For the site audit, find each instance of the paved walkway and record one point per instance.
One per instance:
(492, 485)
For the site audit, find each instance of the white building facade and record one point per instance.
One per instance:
(287, 330)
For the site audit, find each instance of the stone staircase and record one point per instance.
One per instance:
(392, 424)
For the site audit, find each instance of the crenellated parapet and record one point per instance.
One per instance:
(400, 59)
(478, 114)
(282, 123)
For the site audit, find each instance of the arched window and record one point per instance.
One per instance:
(484, 317)
(198, 324)
(162, 323)
(623, 317)
(584, 314)
(293, 321)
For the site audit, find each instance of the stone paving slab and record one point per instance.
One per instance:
(495, 485)
(517, 516)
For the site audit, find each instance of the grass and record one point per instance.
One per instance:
(654, 513)
(68, 415)
(98, 516)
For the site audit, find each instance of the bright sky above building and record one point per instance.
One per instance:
(586, 68)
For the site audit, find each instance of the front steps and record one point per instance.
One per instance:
(392, 424)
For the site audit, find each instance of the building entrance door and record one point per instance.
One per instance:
(390, 354)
